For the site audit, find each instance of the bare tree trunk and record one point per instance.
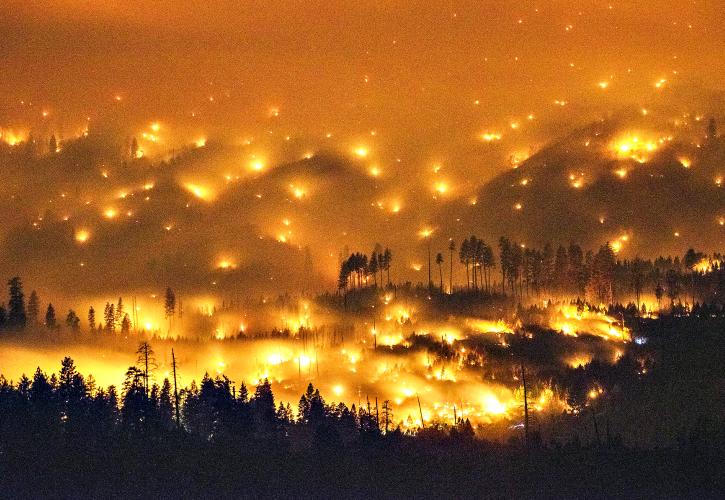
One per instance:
(176, 391)
(420, 409)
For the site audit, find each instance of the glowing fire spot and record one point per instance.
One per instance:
(361, 151)
(491, 404)
(256, 165)
(297, 191)
(82, 235)
(199, 191)
(226, 264)
(441, 187)
(490, 137)
(110, 213)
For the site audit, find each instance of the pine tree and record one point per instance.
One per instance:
(50, 321)
(125, 325)
(17, 316)
(118, 313)
(169, 306)
(109, 317)
(92, 319)
(33, 308)
(72, 321)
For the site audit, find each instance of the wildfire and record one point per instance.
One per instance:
(571, 321)
(82, 235)
(490, 137)
(201, 192)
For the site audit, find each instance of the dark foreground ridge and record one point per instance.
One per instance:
(395, 466)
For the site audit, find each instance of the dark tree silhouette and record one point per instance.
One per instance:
(50, 321)
(17, 316)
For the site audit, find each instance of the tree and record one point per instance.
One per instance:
(166, 407)
(464, 254)
(472, 255)
(672, 285)
(637, 276)
(52, 144)
(387, 414)
(134, 148)
(711, 129)
(50, 321)
(109, 317)
(430, 281)
(17, 316)
(72, 321)
(439, 261)
(125, 325)
(561, 269)
(504, 246)
(118, 313)
(690, 260)
(263, 408)
(451, 249)
(169, 306)
(601, 281)
(145, 358)
(33, 308)
(488, 260)
(91, 319)
(548, 267)
(374, 267)
(387, 258)
(659, 293)
(577, 270)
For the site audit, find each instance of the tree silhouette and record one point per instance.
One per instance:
(464, 254)
(50, 321)
(637, 269)
(451, 249)
(109, 317)
(145, 358)
(672, 285)
(72, 321)
(711, 129)
(659, 293)
(33, 308)
(439, 261)
(17, 316)
(387, 259)
(134, 148)
(91, 319)
(169, 306)
(373, 267)
(125, 325)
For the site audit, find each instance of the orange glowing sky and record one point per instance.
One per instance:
(427, 101)
(400, 68)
